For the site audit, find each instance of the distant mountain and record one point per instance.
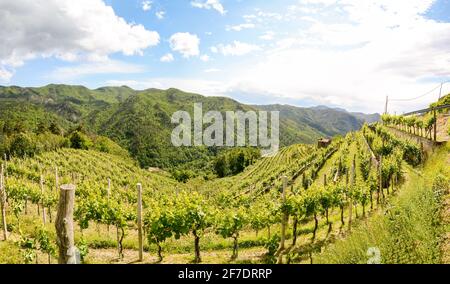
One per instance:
(140, 121)
(320, 121)
(368, 118)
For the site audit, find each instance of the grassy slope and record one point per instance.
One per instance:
(411, 229)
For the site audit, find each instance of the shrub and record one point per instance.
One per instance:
(22, 145)
(80, 141)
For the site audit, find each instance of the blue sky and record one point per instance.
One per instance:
(345, 53)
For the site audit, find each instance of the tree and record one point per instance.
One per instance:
(80, 141)
(220, 167)
(22, 145)
(55, 128)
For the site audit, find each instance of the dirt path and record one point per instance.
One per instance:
(443, 127)
(109, 256)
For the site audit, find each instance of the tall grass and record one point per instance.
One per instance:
(411, 229)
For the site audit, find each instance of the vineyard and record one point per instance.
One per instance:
(284, 209)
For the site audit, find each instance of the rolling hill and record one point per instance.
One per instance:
(140, 121)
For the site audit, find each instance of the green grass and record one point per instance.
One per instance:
(410, 231)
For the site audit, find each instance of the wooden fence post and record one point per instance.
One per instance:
(64, 224)
(352, 183)
(56, 179)
(285, 219)
(435, 125)
(139, 221)
(41, 183)
(3, 202)
(380, 190)
(108, 194)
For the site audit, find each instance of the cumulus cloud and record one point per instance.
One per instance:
(185, 43)
(353, 53)
(146, 5)
(210, 4)
(237, 48)
(167, 58)
(205, 58)
(68, 30)
(5, 75)
(240, 27)
(160, 15)
(94, 68)
(268, 36)
(204, 87)
(211, 70)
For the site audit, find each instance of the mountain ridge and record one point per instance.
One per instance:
(140, 121)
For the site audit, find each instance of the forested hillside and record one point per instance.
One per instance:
(140, 121)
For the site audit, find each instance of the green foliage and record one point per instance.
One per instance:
(83, 249)
(272, 247)
(22, 145)
(44, 242)
(445, 100)
(140, 121)
(80, 141)
(410, 231)
(235, 161)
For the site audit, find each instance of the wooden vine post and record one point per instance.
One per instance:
(285, 219)
(352, 183)
(44, 217)
(435, 125)
(139, 222)
(380, 191)
(56, 179)
(64, 225)
(3, 202)
(108, 194)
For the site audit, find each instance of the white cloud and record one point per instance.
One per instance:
(263, 17)
(210, 4)
(167, 58)
(146, 5)
(237, 48)
(68, 30)
(212, 70)
(185, 43)
(5, 75)
(94, 68)
(205, 58)
(361, 52)
(240, 27)
(268, 36)
(203, 87)
(160, 14)
(351, 54)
